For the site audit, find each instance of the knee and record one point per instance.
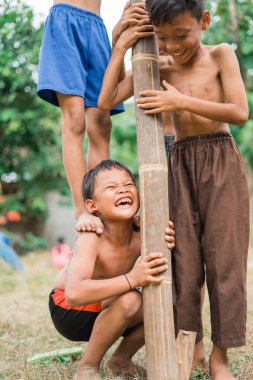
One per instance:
(74, 122)
(100, 128)
(129, 304)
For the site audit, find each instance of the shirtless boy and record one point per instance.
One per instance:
(74, 54)
(101, 275)
(203, 91)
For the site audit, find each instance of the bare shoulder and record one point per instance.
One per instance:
(87, 242)
(222, 52)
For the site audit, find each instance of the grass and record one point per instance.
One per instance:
(26, 328)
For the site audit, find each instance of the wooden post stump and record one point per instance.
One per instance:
(161, 348)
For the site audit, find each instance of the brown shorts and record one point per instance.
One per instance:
(209, 205)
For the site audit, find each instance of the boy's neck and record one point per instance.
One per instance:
(119, 233)
(89, 5)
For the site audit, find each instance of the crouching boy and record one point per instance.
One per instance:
(96, 297)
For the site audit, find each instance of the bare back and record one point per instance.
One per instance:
(199, 79)
(89, 5)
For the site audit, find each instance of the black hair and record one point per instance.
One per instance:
(163, 11)
(90, 176)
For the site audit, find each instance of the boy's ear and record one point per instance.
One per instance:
(206, 20)
(91, 206)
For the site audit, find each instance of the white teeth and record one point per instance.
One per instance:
(182, 52)
(124, 201)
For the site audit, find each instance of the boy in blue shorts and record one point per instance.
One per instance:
(74, 55)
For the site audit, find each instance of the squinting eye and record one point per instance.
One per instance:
(181, 37)
(130, 184)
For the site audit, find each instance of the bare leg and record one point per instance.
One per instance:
(73, 131)
(121, 360)
(99, 131)
(218, 364)
(199, 358)
(109, 326)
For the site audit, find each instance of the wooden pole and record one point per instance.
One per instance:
(161, 348)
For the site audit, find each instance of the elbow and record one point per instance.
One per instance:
(72, 298)
(103, 105)
(241, 118)
(76, 298)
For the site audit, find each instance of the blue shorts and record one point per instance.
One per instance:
(74, 55)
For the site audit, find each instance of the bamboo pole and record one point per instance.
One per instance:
(161, 348)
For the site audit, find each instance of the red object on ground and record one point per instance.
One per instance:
(60, 255)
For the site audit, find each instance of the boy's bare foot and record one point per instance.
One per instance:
(199, 357)
(87, 373)
(218, 364)
(127, 368)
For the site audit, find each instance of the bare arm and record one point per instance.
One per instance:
(115, 91)
(234, 110)
(130, 16)
(81, 289)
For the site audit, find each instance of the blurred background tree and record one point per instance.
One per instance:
(30, 132)
(30, 136)
(232, 22)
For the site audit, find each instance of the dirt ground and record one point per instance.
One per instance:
(26, 328)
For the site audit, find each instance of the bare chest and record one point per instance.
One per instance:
(200, 80)
(112, 263)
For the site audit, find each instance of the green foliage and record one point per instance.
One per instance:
(30, 242)
(123, 141)
(30, 138)
(237, 30)
(197, 374)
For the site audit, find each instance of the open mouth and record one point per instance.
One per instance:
(177, 54)
(124, 202)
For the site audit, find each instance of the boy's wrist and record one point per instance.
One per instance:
(120, 48)
(116, 33)
(184, 102)
(132, 281)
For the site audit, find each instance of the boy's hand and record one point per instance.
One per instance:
(170, 235)
(131, 15)
(89, 223)
(161, 101)
(134, 33)
(145, 271)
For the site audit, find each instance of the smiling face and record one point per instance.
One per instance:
(115, 196)
(182, 37)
